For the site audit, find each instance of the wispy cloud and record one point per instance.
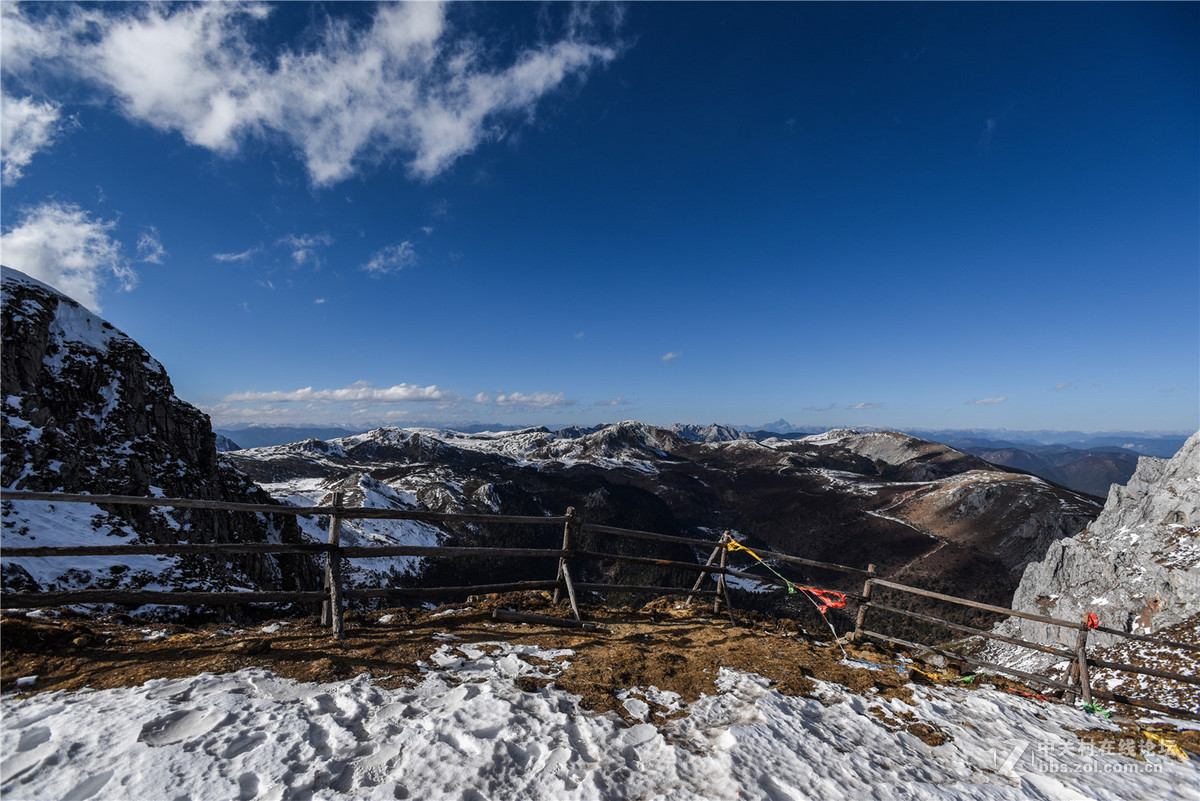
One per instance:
(618, 401)
(391, 259)
(245, 255)
(66, 247)
(861, 406)
(26, 127)
(987, 401)
(989, 131)
(1062, 386)
(404, 82)
(579, 335)
(358, 392)
(670, 357)
(150, 248)
(826, 408)
(304, 248)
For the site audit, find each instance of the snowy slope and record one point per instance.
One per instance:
(466, 731)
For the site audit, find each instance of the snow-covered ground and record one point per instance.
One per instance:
(467, 731)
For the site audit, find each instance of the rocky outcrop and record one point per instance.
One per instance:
(87, 409)
(1137, 565)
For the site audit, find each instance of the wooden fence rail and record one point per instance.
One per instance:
(344, 512)
(334, 594)
(1078, 678)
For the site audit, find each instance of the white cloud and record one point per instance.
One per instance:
(245, 255)
(1062, 386)
(391, 259)
(520, 401)
(304, 248)
(671, 356)
(224, 414)
(26, 126)
(149, 247)
(64, 246)
(358, 392)
(404, 83)
(319, 301)
(987, 401)
(862, 406)
(618, 401)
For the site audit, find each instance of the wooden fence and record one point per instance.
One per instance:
(334, 594)
(1078, 677)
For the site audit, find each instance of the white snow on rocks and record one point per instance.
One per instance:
(465, 731)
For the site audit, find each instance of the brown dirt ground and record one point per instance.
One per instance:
(666, 644)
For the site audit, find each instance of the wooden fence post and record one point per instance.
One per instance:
(564, 572)
(862, 607)
(699, 581)
(1085, 681)
(722, 584)
(566, 541)
(332, 611)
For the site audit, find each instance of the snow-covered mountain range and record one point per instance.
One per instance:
(916, 509)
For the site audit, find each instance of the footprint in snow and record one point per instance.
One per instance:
(175, 727)
(88, 787)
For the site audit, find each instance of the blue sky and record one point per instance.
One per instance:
(943, 215)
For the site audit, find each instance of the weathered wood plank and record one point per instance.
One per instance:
(334, 611)
(646, 535)
(368, 551)
(700, 578)
(1001, 610)
(32, 600)
(1146, 638)
(645, 589)
(692, 566)
(522, 617)
(1162, 674)
(437, 592)
(1176, 712)
(968, 660)
(281, 509)
(174, 549)
(783, 557)
(977, 632)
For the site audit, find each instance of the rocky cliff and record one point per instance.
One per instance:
(1137, 565)
(87, 409)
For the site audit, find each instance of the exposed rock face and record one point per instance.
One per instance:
(1137, 565)
(87, 409)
